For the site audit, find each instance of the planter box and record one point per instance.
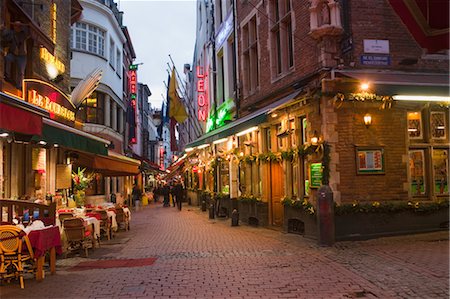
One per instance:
(224, 207)
(370, 225)
(192, 198)
(253, 213)
(297, 221)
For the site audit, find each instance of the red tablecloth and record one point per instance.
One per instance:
(44, 239)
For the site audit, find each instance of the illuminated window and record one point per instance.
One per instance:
(440, 171)
(89, 38)
(281, 36)
(417, 172)
(92, 109)
(292, 132)
(438, 128)
(414, 125)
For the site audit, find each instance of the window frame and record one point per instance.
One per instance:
(88, 38)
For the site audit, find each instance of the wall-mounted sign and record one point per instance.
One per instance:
(375, 60)
(222, 115)
(224, 30)
(376, 46)
(369, 160)
(132, 124)
(202, 94)
(50, 59)
(50, 98)
(315, 175)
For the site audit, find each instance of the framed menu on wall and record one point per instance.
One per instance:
(369, 160)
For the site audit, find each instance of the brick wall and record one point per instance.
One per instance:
(388, 130)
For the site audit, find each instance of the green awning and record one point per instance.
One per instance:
(243, 123)
(53, 135)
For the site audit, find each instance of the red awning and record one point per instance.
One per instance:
(19, 121)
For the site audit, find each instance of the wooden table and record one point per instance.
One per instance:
(42, 241)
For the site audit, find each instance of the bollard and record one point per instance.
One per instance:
(203, 206)
(325, 215)
(211, 211)
(235, 218)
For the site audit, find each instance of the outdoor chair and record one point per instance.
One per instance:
(78, 237)
(105, 223)
(64, 215)
(122, 219)
(15, 253)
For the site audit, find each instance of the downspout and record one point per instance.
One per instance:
(237, 98)
(213, 43)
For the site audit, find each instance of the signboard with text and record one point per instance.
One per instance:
(50, 98)
(376, 60)
(315, 175)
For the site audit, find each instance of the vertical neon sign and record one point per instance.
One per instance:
(201, 94)
(132, 139)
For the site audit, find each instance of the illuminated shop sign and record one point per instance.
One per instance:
(202, 94)
(50, 98)
(224, 30)
(49, 58)
(132, 124)
(222, 115)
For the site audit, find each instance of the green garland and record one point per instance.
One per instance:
(249, 199)
(295, 203)
(390, 207)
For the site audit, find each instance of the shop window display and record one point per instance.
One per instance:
(440, 171)
(414, 125)
(438, 128)
(417, 172)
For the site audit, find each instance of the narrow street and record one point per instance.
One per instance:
(200, 258)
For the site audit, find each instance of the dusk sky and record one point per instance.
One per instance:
(157, 29)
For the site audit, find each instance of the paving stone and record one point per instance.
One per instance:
(199, 258)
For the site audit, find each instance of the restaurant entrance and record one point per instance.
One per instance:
(276, 193)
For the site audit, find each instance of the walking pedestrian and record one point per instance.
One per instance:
(165, 193)
(136, 197)
(178, 191)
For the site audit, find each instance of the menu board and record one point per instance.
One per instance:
(315, 170)
(63, 176)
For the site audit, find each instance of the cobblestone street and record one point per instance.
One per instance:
(201, 258)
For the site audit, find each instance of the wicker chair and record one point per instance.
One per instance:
(105, 223)
(63, 216)
(78, 237)
(122, 219)
(15, 252)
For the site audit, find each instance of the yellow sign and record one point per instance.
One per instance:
(45, 102)
(49, 58)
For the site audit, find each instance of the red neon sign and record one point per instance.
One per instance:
(133, 81)
(201, 94)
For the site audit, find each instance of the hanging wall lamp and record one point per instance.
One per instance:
(367, 120)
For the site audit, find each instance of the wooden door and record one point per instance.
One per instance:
(276, 193)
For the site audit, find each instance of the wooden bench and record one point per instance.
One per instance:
(9, 209)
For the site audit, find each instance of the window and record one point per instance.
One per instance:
(440, 171)
(417, 172)
(220, 79)
(414, 125)
(268, 140)
(292, 132)
(89, 38)
(280, 137)
(112, 53)
(438, 129)
(250, 56)
(118, 62)
(281, 36)
(92, 109)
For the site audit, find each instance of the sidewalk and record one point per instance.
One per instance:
(200, 258)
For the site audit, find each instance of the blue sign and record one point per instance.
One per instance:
(375, 60)
(224, 30)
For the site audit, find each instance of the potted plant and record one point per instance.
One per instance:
(81, 181)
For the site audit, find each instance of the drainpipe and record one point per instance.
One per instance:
(213, 42)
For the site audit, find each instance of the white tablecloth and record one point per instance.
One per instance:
(96, 223)
(112, 215)
(127, 212)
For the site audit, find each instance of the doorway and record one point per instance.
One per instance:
(276, 193)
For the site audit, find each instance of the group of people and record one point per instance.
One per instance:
(175, 189)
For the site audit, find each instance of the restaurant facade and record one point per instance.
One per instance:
(363, 113)
(42, 141)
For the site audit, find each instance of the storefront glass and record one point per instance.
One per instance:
(440, 171)
(417, 173)
(414, 125)
(438, 128)
(224, 182)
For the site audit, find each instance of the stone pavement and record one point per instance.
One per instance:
(201, 258)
